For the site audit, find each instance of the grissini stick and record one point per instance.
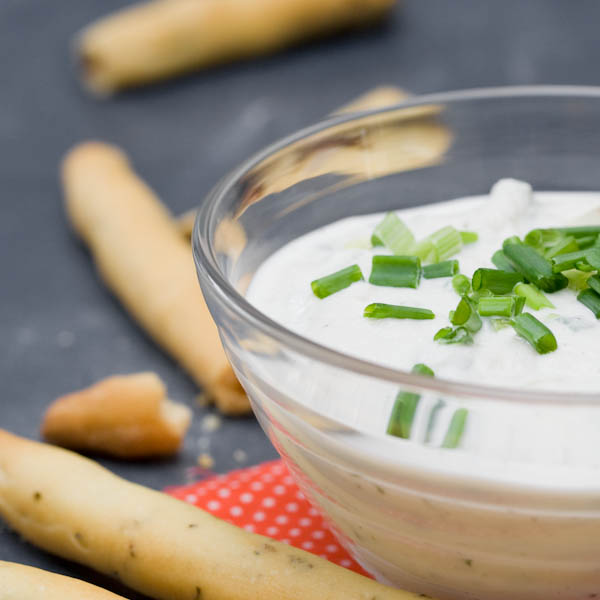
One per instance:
(18, 582)
(160, 546)
(379, 97)
(155, 40)
(129, 416)
(147, 264)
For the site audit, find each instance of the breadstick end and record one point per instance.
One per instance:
(128, 416)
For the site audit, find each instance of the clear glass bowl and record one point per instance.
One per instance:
(516, 517)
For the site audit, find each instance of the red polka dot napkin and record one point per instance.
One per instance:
(264, 499)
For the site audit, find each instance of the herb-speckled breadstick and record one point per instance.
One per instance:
(156, 544)
(18, 582)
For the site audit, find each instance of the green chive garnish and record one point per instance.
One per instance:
(594, 283)
(499, 323)
(394, 235)
(564, 262)
(542, 238)
(534, 298)
(421, 369)
(456, 428)
(461, 284)
(590, 299)
(448, 268)
(469, 237)
(466, 315)
(519, 305)
(396, 271)
(592, 257)
(496, 306)
(535, 332)
(379, 310)
(586, 241)
(581, 265)
(562, 246)
(580, 231)
(446, 242)
(501, 262)
(453, 335)
(425, 251)
(577, 279)
(534, 266)
(405, 407)
(496, 281)
(330, 284)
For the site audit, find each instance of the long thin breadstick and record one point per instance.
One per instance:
(18, 582)
(153, 543)
(378, 97)
(146, 263)
(154, 40)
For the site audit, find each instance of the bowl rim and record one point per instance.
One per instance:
(206, 262)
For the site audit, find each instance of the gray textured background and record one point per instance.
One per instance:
(59, 328)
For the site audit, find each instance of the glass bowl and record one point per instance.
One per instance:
(516, 515)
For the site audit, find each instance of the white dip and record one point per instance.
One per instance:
(515, 511)
(496, 357)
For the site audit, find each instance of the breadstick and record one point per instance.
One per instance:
(154, 40)
(160, 546)
(128, 416)
(147, 264)
(18, 582)
(379, 97)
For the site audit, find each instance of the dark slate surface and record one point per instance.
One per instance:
(59, 328)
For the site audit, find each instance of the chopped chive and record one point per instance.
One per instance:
(394, 235)
(580, 231)
(496, 306)
(330, 284)
(499, 323)
(378, 310)
(534, 266)
(586, 241)
(468, 237)
(446, 242)
(461, 284)
(564, 262)
(501, 262)
(421, 369)
(405, 407)
(581, 265)
(534, 298)
(431, 421)
(396, 271)
(562, 246)
(592, 257)
(448, 268)
(466, 315)
(496, 281)
(519, 305)
(535, 332)
(590, 299)
(577, 279)
(542, 238)
(594, 283)
(456, 428)
(424, 250)
(453, 335)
